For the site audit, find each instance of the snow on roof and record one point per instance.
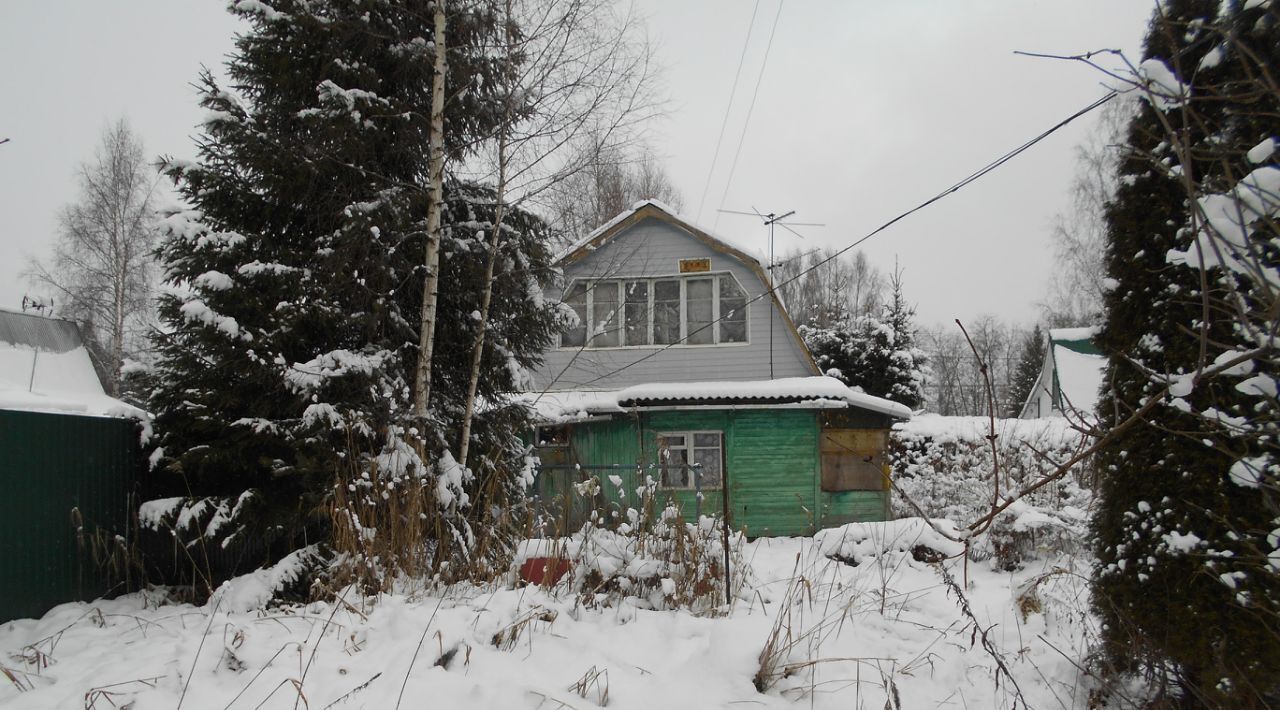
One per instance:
(1085, 333)
(1080, 377)
(45, 367)
(564, 407)
(814, 392)
(751, 253)
(1077, 339)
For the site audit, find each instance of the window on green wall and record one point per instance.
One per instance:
(685, 454)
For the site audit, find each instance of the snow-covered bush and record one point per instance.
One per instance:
(655, 558)
(944, 468)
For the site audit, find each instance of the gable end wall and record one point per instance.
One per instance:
(654, 248)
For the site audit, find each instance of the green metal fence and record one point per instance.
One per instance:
(64, 479)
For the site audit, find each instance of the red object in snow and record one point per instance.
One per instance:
(543, 570)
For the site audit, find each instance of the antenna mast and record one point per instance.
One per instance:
(769, 221)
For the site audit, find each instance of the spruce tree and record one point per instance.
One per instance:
(908, 366)
(1030, 362)
(876, 355)
(291, 325)
(1180, 584)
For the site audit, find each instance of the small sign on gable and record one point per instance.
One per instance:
(694, 266)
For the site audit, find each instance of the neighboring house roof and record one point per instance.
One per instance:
(44, 366)
(1073, 373)
(653, 209)
(818, 392)
(1078, 340)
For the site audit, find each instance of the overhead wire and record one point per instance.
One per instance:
(750, 109)
(724, 122)
(963, 182)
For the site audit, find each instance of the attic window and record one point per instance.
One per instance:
(708, 309)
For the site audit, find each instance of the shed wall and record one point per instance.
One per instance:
(772, 460)
(51, 464)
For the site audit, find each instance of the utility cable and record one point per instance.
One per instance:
(984, 170)
(725, 121)
(750, 108)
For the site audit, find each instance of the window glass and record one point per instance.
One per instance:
(605, 329)
(673, 459)
(553, 436)
(708, 461)
(733, 311)
(650, 312)
(698, 311)
(636, 312)
(666, 312)
(576, 299)
(683, 455)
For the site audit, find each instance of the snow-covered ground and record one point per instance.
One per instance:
(887, 633)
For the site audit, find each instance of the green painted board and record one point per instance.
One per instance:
(51, 464)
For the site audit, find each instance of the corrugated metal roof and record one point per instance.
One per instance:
(37, 332)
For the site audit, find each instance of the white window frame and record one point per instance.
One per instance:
(688, 449)
(620, 283)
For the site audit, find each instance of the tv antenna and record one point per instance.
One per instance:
(33, 304)
(770, 220)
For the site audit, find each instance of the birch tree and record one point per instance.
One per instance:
(101, 273)
(435, 171)
(580, 84)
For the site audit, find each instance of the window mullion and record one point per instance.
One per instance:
(715, 310)
(650, 286)
(591, 313)
(684, 321)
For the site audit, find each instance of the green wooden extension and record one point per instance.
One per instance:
(772, 459)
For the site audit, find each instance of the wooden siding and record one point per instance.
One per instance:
(52, 464)
(772, 460)
(654, 248)
(853, 507)
(774, 472)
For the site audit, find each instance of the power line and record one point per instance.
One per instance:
(984, 170)
(750, 108)
(725, 121)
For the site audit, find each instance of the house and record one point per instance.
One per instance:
(686, 370)
(1071, 377)
(69, 459)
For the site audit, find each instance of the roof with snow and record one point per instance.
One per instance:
(655, 208)
(44, 366)
(1080, 377)
(1072, 376)
(790, 392)
(1078, 340)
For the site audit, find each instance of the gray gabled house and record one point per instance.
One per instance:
(684, 368)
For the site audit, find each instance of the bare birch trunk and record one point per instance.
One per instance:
(477, 351)
(430, 288)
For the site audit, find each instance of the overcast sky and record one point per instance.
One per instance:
(864, 110)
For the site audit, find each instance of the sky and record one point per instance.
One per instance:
(864, 110)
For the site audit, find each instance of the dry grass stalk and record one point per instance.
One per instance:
(117, 693)
(590, 684)
(390, 524)
(506, 638)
